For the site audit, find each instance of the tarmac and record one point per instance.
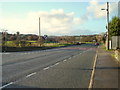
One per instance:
(107, 70)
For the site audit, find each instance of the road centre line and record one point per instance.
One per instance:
(16, 81)
(69, 58)
(52, 66)
(64, 60)
(6, 85)
(46, 68)
(31, 74)
(5, 53)
(56, 63)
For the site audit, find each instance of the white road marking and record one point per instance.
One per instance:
(6, 85)
(52, 66)
(73, 55)
(46, 68)
(5, 53)
(56, 63)
(69, 58)
(31, 74)
(92, 75)
(65, 60)
(79, 53)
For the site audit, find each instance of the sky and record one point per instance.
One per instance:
(56, 18)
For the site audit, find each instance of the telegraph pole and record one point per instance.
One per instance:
(39, 33)
(107, 38)
(5, 32)
(107, 47)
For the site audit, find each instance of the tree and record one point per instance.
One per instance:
(114, 27)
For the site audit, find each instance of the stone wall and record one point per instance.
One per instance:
(117, 54)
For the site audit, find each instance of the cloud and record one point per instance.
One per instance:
(94, 9)
(53, 22)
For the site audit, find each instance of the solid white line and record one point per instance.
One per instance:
(92, 75)
(6, 85)
(31, 74)
(46, 68)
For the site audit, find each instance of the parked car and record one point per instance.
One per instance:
(96, 43)
(78, 43)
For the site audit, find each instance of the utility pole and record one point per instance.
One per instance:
(107, 47)
(5, 32)
(39, 33)
(107, 38)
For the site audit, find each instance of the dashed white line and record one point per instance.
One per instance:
(56, 63)
(79, 53)
(65, 60)
(31, 74)
(52, 66)
(74, 56)
(46, 68)
(69, 58)
(6, 85)
(4, 53)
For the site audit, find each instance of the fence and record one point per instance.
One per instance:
(115, 42)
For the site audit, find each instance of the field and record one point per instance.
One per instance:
(32, 43)
(11, 46)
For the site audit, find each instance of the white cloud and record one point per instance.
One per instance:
(95, 9)
(52, 22)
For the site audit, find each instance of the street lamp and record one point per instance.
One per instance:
(107, 41)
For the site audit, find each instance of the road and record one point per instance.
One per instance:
(66, 67)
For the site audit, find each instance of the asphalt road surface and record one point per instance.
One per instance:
(66, 67)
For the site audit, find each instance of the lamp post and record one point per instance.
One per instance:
(107, 40)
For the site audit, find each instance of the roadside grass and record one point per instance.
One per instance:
(55, 44)
(104, 48)
(32, 41)
(9, 43)
(11, 46)
(88, 42)
(35, 43)
(113, 55)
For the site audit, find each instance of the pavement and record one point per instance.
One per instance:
(106, 71)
